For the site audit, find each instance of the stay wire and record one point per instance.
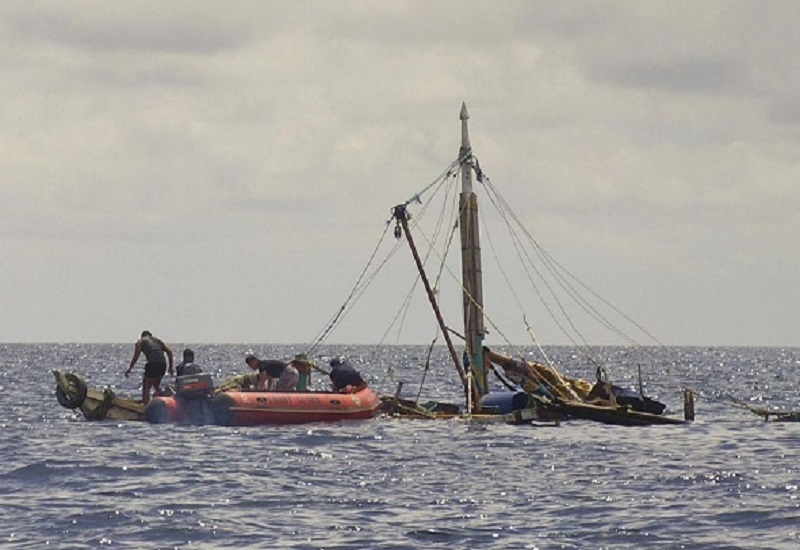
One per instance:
(362, 283)
(402, 312)
(323, 334)
(513, 292)
(527, 261)
(559, 271)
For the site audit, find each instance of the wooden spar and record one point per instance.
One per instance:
(401, 216)
(471, 272)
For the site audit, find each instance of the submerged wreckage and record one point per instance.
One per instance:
(535, 391)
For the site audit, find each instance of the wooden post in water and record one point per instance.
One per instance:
(688, 405)
(472, 277)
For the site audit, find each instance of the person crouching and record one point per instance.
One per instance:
(344, 377)
(273, 375)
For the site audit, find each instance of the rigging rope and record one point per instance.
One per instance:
(441, 177)
(403, 310)
(363, 281)
(519, 235)
(427, 366)
(561, 276)
(522, 254)
(321, 337)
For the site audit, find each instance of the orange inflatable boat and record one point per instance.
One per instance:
(193, 404)
(259, 407)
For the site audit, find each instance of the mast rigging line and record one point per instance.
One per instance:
(332, 323)
(405, 305)
(511, 288)
(562, 282)
(514, 294)
(560, 273)
(526, 261)
(363, 281)
(456, 278)
(417, 197)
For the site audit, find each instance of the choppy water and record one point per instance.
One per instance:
(727, 481)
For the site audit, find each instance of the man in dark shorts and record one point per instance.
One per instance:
(344, 377)
(156, 366)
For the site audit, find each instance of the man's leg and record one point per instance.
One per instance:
(145, 390)
(157, 385)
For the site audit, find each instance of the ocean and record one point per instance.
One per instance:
(728, 480)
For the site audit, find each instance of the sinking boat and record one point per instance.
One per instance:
(575, 399)
(534, 391)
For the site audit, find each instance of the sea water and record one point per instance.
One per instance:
(728, 480)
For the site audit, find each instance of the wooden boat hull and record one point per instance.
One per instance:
(576, 399)
(254, 408)
(618, 416)
(793, 416)
(72, 392)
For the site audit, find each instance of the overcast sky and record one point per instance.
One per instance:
(220, 171)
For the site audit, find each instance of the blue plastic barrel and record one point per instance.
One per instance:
(505, 402)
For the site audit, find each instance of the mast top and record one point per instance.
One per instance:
(464, 116)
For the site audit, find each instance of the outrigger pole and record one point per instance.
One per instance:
(471, 272)
(401, 216)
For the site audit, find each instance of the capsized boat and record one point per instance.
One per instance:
(72, 392)
(195, 402)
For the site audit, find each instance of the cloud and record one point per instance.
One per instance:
(132, 27)
(259, 147)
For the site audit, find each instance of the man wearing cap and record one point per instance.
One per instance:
(156, 367)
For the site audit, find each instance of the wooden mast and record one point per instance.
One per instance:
(472, 278)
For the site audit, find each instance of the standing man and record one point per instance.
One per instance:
(156, 366)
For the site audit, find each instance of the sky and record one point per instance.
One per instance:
(221, 171)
